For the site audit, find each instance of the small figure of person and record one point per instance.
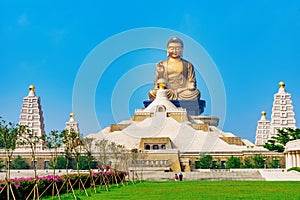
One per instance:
(176, 177)
(180, 176)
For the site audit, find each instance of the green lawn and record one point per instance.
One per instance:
(199, 190)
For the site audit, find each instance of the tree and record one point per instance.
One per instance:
(124, 158)
(277, 143)
(1, 166)
(28, 138)
(115, 151)
(73, 146)
(205, 162)
(9, 133)
(272, 145)
(259, 161)
(60, 163)
(216, 164)
(85, 164)
(102, 148)
(19, 163)
(275, 163)
(54, 140)
(87, 146)
(233, 162)
(248, 163)
(90, 164)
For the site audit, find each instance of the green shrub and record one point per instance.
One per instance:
(248, 163)
(205, 162)
(19, 163)
(216, 164)
(259, 161)
(60, 163)
(83, 163)
(294, 168)
(233, 162)
(275, 163)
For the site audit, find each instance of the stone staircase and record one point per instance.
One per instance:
(280, 175)
(225, 175)
(206, 175)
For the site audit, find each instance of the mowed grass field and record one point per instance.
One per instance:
(197, 190)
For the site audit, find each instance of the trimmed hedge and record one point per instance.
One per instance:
(294, 168)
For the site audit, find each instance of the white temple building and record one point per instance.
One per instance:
(166, 136)
(282, 117)
(170, 138)
(292, 154)
(32, 114)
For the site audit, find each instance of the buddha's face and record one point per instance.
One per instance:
(175, 50)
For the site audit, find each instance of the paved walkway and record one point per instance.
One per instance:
(234, 174)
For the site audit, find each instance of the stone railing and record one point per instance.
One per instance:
(150, 163)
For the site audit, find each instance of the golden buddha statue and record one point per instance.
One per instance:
(178, 74)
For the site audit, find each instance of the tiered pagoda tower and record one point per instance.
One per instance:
(283, 116)
(72, 124)
(32, 114)
(263, 130)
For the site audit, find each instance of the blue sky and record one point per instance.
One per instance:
(253, 44)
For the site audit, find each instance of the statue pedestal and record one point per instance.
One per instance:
(193, 107)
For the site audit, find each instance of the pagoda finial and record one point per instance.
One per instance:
(31, 88)
(263, 115)
(281, 84)
(31, 91)
(72, 117)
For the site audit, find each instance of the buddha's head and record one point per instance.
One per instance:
(175, 47)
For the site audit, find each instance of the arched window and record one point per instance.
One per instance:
(163, 146)
(160, 108)
(147, 147)
(155, 147)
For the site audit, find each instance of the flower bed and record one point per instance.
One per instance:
(23, 186)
